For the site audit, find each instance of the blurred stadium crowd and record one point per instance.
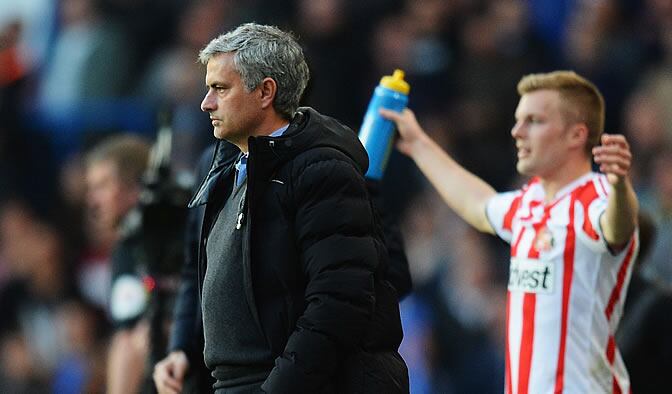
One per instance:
(73, 72)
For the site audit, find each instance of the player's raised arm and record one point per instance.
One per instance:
(463, 191)
(620, 219)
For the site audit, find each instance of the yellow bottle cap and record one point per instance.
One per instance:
(396, 82)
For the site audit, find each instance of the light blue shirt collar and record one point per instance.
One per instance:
(280, 131)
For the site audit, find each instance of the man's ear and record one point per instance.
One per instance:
(578, 135)
(267, 89)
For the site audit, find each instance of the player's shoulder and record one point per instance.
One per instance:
(592, 187)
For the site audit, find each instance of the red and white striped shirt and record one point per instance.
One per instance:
(566, 289)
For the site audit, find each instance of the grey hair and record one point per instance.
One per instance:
(265, 51)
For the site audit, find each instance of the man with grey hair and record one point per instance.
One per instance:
(291, 258)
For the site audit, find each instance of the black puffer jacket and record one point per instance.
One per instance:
(314, 259)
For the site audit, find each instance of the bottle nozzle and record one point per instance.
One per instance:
(396, 82)
(398, 75)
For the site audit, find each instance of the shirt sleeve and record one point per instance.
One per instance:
(500, 211)
(591, 230)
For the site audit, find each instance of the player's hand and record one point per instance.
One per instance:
(169, 373)
(410, 132)
(613, 157)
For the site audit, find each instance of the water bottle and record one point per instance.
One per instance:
(376, 133)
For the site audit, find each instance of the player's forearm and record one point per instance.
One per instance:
(463, 191)
(620, 218)
(125, 364)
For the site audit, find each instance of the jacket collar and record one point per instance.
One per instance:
(224, 157)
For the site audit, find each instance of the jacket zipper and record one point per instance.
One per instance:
(241, 213)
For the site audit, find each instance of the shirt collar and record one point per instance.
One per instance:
(280, 131)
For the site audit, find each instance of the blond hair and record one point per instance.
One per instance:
(128, 152)
(582, 101)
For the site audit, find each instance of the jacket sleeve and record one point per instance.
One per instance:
(335, 235)
(398, 273)
(185, 315)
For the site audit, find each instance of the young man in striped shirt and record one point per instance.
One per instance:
(573, 233)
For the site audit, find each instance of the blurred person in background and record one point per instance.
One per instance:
(36, 21)
(18, 145)
(91, 59)
(321, 332)
(573, 233)
(643, 335)
(83, 332)
(466, 305)
(454, 320)
(644, 124)
(38, 282)
(114, 170)
(84, 80)
(657, 200)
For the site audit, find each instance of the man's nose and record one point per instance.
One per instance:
(208, 103)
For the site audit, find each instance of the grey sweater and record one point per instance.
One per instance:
(235, 349)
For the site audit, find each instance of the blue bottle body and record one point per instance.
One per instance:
(377, 133)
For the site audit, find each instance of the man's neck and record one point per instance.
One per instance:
(571, 171)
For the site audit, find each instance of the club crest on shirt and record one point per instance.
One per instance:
(544, 242)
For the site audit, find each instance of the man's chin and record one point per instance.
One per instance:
(523, 169)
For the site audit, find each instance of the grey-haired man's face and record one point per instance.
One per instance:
(234, 112)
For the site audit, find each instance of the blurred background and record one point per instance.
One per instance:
(73, 72)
